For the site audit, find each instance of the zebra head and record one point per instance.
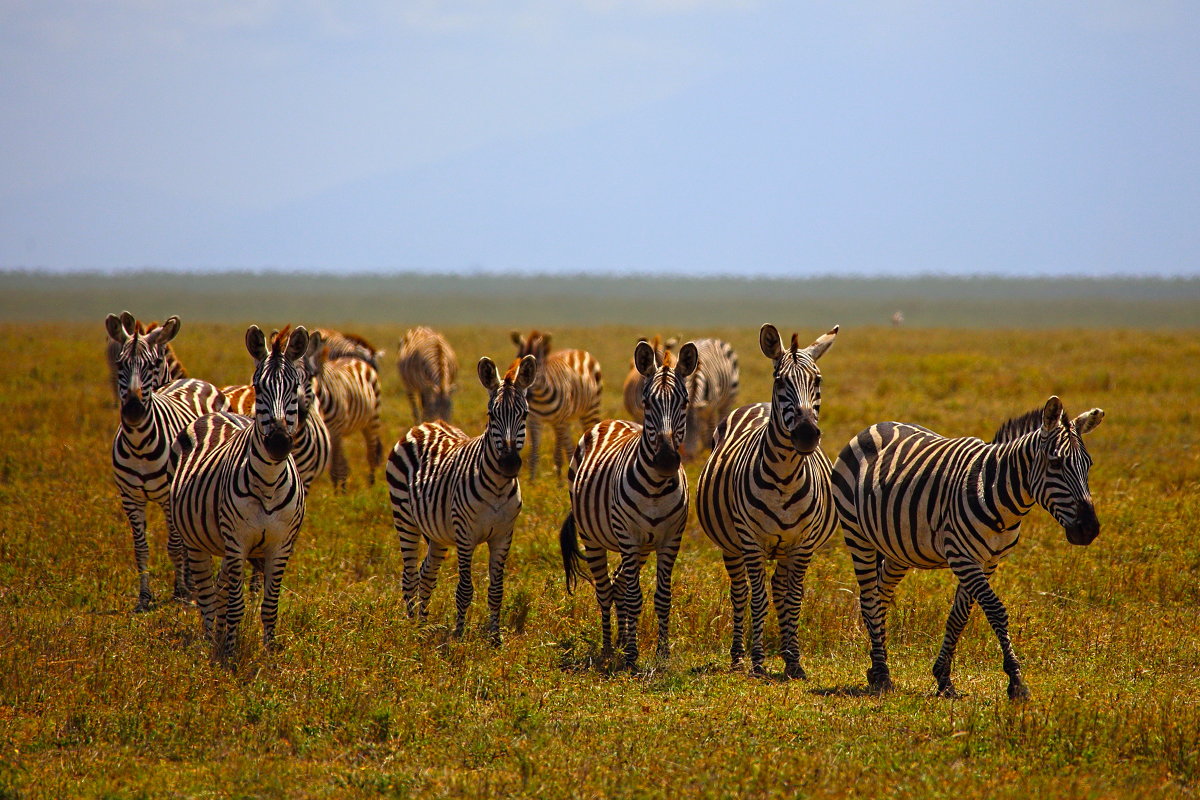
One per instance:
(277, 386)
(507, 410)
(796, 395)
(665, 401)
(309, 367)
(536, 344)
(1060, 471)
(141, 363)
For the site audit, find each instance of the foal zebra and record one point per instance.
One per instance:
(348, 389)
(112, 351)
(567, 387)
(428, 369)
(236, 493)
(455, 491)
(631, 391)
(764, 494)
(712, 391)
(909, 498)
(629, 495)
(153, 412)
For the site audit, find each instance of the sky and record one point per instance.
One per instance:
(680, 137)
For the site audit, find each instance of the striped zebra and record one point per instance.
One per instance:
(236, 493)
(154, 410)
(635, 382)
(629, 495)
(455, 491)
(348, 390)
(428, 369)
(764, 494)
(908, 498)
(112, 351)
(567, 387)
(349, 345)
(712, 391)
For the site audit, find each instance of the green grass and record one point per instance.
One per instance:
(361, 702)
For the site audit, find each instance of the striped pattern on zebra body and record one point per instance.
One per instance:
(112, 351)
(348, 391)
(629, 495)
(456, 491)
(908, 498)
(567, 388)
(631, 391)
(428, 369)
(349, 345)
(712, 391)
(236, 492)
(154, 410)
(764, 494)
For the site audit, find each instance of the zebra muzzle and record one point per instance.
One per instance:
(134, 408)
(279, 443)
(666, 458)
(510, 463)
(1086, 527)
(806, 436)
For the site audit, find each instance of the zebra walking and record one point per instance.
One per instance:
(455, 491)
(712, 391)
(154, 410)
(236, 493)
(112, 352)
(629, 495)
(567, 388)
(908, 498)
(635, 382)
(428, 369)
(764, 494)
(348, 390)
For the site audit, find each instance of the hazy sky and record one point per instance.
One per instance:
(783, 138)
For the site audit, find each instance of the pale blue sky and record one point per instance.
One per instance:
(674, 136)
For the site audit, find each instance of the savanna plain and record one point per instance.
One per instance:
(360, 701)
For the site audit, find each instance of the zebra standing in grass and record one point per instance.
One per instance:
(764, 494)
(712, 391)
(153, 412)
(629, 495)
(428, 369)
(236, 493)
(908, 498)
(348, 390)
(455, 491)
(112, 352)
(567, 387)
(635, 381)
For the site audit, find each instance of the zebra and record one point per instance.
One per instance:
(349, 345)
(154, 409)
(428, 368)
(567, 387)
(112, 351)
(455, 491)
(712, 391)
(635, 381)
(629, 494)
(764, 494)
(236, 492)
(348, 391)
(908, 498)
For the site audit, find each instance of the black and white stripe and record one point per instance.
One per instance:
(112, 352)
(629, 495)
(428, 369)
(764, 494)
(348, 390)
(908, 498)
(456, 491)
(635, 382)
(712, 391)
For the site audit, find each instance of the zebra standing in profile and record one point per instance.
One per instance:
(712, 391)
(348, 390)
(112, 352)
(236, 493)
(154, 410)
(635, 381)
(908, 498)
(455, 491)
(764, 494)
(428, 369)
(629, 495)
(567, 387)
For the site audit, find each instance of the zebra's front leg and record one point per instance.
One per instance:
(597, 560)
(274, 565)
(178, 554)
(534, 425)
(960, 612)
(866, 571)
(664, 566)
(497, 555)
(738, 592)
(410, 542)
(200, 568)
(339, 469)
(374, 448)
(756, 574)
(562, 448)
(629, 601)
(429, 570)
(974, 578)
(136, 512)
(235, 608)
(787, 590)
(466, 587)
(418, 417)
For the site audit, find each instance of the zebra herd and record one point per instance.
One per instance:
(231, 468)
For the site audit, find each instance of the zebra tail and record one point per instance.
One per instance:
(568, 542)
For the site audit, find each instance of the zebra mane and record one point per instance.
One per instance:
(795, 342)
(1020, 425)
(513, 368)
(280, 340)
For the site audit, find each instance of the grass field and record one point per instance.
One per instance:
(361, 702)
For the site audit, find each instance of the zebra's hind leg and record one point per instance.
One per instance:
(136, 512)
(374, 448)
(410, 542)
(975, 579)
(466, 587)
(200, 568)
(339, 469)
(664, 567)
(866, 571)
(497, 555)
(738, 592)
(178, 554)
(597, 560)
(960, 612)
(534, 426)
(418, 417)
(563, 448)
(428, 579)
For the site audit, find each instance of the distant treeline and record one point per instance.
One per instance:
(531, 300)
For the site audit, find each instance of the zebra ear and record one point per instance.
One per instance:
(644, 359)
(489, 376)
(526, 372)
(256, 343)
(128, 322)
(671, 343)
(517, 339)
(315, 340)
(1088, 420)
(689, 359)
(165, 332)
(769, 342)
(297, 343)
(823, 342)
(115, 328)
(1052, 413)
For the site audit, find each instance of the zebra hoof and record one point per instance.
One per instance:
(795, 672)
(879, 681)
(144, 603)
(758, 671)
(1017, 691)
(948, 692)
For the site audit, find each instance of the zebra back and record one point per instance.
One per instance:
(428, 369)
(568, 384)
(349, 345)
(712, 391)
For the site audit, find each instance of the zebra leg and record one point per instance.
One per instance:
(534, 426)
(418, 417)
(787, 589)
(428, 579)
(664, 566)
(562, 447)
(629, 603)
(889, 576)
(409, 553)
(960, 612)
(466, 587)
(136, 512)
(756, 573)
(738, 591)
(175, 549)
(235, 607)
(274, 565)
(374, 448)
(200, 568)
(597, 559)
(973, 577)
(497, 555)
(866, 571)
(339, 469)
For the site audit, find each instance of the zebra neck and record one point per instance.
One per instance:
(259, 471)
(999, 482)
(778, 455)
(143, 437)
(483, 464)
(641, 467)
